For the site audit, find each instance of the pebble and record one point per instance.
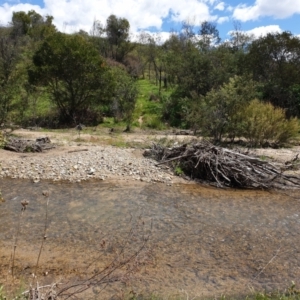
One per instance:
(100, 162)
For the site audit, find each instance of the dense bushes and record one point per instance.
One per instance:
(263, 123)
(219, 113)
(230, 112)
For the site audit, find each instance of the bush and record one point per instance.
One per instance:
(263, 123)
(153, 122)
(219, 113)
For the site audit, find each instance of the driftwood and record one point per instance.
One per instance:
(223, 167)
(77, 150)
(22, 145)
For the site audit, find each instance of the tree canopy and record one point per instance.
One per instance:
(73, 72)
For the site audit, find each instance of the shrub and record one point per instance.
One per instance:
(263, 123)
(2, 140)
(153, 122)
(219, 113)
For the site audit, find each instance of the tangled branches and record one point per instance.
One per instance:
(224, 167)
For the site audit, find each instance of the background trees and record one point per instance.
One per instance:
(9, 75)
(191, 80)
(274, 61)
(74, 74)
(31, 24)
(112, 39)
(124, 97)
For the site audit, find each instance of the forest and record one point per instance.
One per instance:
(244, 87)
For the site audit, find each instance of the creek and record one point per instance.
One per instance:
(206, 241)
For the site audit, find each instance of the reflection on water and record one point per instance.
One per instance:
(207, 241)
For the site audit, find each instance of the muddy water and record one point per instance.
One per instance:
(205, 241)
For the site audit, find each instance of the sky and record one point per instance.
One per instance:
(255, 17)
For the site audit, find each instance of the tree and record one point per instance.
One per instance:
(209, 35)
(274, 60)
(117, 32)
(240, 40)
(220, 112)
(125, 96)
(75, 75)
(32, 24)
(9, 55)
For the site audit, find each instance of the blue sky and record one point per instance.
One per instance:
(255, 17)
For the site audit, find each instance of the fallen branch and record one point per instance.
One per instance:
(224, 167)
(22, 145)
(78, 150)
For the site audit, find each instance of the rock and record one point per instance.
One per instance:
(91, 171)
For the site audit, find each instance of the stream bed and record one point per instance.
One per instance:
(205, 241)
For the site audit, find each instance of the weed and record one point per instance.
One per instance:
(264, 157)
(178, 171)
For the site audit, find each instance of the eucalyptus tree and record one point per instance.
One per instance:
(74, 74)
(32, 24)
(117, 33)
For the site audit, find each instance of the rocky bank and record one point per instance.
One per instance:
(77, 164)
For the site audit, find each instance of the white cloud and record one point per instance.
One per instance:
(220, 6)
(261, 31)
(222, 20)
(264, 30)
(278, 9)
(71, 15)
(160, 37)
(230, 8)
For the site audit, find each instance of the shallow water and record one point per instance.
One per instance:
(206, 241)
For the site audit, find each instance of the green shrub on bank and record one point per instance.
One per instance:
(264, 123)
(2, 140)
(219, 114)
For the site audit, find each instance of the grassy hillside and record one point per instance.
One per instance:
(37, 108)
(148, 110)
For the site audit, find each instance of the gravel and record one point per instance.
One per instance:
(101, 162)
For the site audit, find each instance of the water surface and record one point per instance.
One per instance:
(205, 241)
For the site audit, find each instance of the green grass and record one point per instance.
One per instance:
(39, 107)
(149, 110)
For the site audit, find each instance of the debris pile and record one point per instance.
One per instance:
(22, 145)
(224, 167)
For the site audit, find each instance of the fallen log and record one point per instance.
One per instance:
(223, 167)
(77, 150)
(22, 145)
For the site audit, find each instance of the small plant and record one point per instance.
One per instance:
(2, 140)
(2, 297)
(1, 197)
(178, 171)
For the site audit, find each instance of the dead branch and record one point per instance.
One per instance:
(77, 150)
(224, 167)
(22, 145)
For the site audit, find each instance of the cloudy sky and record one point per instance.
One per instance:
(254, 16)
